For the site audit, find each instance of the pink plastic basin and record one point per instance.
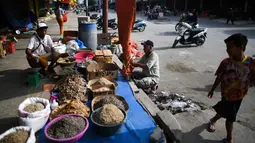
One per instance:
(81, 56)
(67, 140)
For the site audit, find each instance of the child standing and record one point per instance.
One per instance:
(234, 74)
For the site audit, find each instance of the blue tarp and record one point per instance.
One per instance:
(138, 126)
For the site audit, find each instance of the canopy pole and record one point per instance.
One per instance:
(105, 16)
(35, 10)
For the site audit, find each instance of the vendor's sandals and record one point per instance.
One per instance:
(227, 141)
(211, 128)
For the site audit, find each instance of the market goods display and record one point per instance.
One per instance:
(109, 114)
(19, 136)
(71, 107)
(71, 87)
(109, 100)
(34, 107)
(85, 63)
(66, 60)
(66, 127)
(100, 85)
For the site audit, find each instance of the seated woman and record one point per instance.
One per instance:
(148, 78)
(40, 50)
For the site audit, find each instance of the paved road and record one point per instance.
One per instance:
(204, 60)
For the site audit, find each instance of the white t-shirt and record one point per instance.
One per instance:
(34, 43)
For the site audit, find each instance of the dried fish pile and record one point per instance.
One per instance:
(85, 63)
(34, 107)
(71, 87)
(109, 114)
(109, 100)
(16, 137)
(175, 103)
(71, 107)
(67, 127)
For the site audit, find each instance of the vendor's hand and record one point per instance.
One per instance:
(210, 94)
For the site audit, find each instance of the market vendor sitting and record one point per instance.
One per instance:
(148, 78)
(40, 50)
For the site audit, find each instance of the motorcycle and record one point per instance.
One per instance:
(196, 36)
(191, 25)
(139, 25)
(111, 23)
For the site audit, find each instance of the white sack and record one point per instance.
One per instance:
(31, 138)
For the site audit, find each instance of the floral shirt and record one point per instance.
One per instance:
(236, 77)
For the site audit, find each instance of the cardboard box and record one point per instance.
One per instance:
(103, 39)
(70, 33)
(101, 70)
(103, 86)
(103, 56)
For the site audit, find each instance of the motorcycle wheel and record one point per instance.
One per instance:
(142, 28)
(114, 26)
(99, 27)
(177, 26)
(175, 43)
(200, 41)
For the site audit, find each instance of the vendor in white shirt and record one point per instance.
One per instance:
(40, 49)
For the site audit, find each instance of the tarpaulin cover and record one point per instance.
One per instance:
(138, 126)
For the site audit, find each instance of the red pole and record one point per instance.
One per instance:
(105, 16)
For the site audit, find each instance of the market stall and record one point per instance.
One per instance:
(90, 102)
(136, 129)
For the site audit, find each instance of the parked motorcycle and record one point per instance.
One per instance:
(139, 25)
(112, 23)
(196, 36)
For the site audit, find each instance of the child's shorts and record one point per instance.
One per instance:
(228, 109)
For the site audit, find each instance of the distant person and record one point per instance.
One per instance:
(235, 74)
(148, 78)
(230, 16)
(59, 12)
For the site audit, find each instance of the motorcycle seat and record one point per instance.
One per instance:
(198, 29)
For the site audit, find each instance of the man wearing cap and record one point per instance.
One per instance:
(40, 49)
(148, 78)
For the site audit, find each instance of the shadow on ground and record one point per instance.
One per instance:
(250, 33)
(14, 83)
(177, 47)
(167, 34)
(194, 137)
(7, 123)
(207, 88)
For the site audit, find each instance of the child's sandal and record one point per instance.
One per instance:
(211, 128)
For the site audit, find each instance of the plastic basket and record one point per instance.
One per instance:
(67, 140)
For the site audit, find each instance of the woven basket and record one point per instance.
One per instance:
(98, 98)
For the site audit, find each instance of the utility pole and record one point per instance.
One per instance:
(186, 5)
(87, 7)
(105, 16)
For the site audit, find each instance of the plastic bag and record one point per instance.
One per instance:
(31, 138)
(42, 113)
(35, 123)
(72, 47)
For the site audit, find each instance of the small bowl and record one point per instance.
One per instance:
(66, 140)
(107, 130)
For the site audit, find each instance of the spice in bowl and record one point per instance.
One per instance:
(109, 114)
(66, 127)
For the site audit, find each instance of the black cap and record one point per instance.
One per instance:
(148, 42)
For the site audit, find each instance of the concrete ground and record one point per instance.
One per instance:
(195, 85)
